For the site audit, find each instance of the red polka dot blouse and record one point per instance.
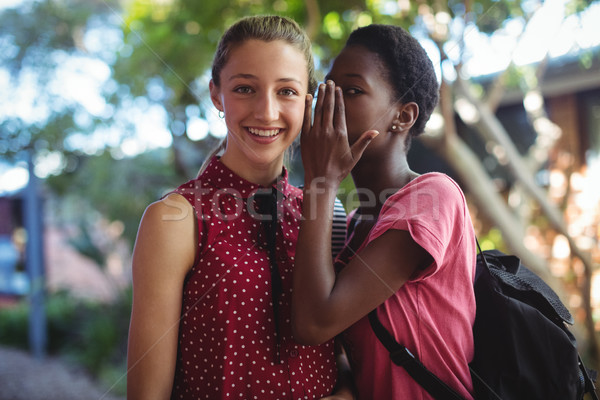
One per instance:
(229, 347)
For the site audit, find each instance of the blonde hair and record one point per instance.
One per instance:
(266, 28)
(220, 147)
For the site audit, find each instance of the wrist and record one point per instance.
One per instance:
(319, 191)
(320, 184)
(318, 199)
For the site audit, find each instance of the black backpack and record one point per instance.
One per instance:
(523, 348)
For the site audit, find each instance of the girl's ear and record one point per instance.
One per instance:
(407, 115)
(215, 95)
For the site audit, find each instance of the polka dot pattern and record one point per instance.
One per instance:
(227, 344)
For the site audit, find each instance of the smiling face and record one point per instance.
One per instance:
(368, 96)
(262, 90)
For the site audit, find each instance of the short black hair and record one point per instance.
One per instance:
(408, 68)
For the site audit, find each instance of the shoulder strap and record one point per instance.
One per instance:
(589, 377)
(402, 357)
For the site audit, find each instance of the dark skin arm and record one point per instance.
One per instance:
(325, 304)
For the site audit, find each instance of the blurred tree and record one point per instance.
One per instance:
(35, 39)
(117, 189)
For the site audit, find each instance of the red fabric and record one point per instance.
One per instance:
(432, 314)
(227, 345)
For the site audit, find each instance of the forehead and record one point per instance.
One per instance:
(261, 58)
(357, 60)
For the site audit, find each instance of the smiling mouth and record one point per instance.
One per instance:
(264, 132)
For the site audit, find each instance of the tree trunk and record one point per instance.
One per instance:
(478, 183)
(491, 129)
(490, 202)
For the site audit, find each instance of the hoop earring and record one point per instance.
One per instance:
(221, 114)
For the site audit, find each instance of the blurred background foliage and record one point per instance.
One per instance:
(118, 113)
(84, 333)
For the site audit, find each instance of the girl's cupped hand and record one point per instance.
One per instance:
(326, 153)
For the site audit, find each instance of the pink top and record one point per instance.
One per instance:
(432, 314)
(227, 344)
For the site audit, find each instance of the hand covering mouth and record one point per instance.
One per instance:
(264, 132)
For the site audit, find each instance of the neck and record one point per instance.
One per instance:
(261, 174)
(377, 179)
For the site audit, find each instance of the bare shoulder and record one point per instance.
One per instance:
(170, 215)
(167, 234)
(173, 207)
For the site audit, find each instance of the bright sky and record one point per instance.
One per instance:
(81, 79)
(9, 3)
(547, 31)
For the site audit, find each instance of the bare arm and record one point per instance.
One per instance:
(323, 303)
(164, 252)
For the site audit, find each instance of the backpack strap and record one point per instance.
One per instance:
(478, 383)
(402, 357)
(589, 377)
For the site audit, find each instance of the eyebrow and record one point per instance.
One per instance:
(328, 76)
(254, 77)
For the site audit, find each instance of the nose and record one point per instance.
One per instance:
(266, 108)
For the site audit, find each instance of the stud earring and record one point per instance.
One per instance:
(394, 127)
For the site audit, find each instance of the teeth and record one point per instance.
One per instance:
(265, 133)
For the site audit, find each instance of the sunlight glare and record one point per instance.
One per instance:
(541, 32)
(13, 179)
(217, 126)
(49, 163)
(197, 128)
(560, 247)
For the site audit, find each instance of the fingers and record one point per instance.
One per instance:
(361, 144)
(329, 113)
(325, 107)
(340, 112)
(306, 125)
(318, 120)
(329, 104)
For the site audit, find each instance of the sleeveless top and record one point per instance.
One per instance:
(233, 341)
